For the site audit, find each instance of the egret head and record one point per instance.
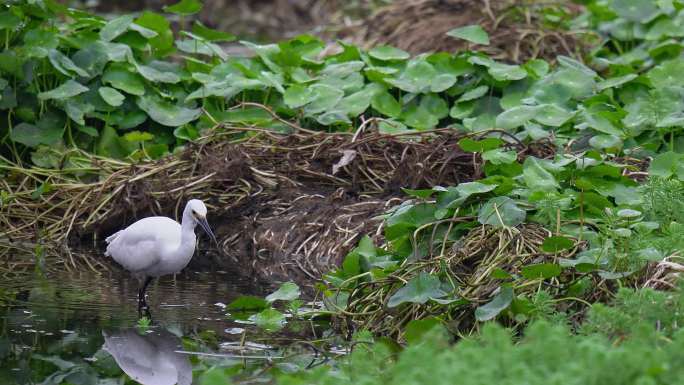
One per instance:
(198, 213)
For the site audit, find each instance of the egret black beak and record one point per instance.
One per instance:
(205, 226)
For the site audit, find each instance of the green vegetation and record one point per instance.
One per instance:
(574, 214)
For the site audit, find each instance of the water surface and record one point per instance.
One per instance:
(84, 328)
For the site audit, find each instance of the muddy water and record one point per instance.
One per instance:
(84, 328)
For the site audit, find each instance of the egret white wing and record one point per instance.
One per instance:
(139, 246)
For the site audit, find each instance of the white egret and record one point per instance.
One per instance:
(156, 246)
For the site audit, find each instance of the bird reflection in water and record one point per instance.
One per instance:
(149, 358)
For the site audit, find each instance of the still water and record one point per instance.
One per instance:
(84, 328)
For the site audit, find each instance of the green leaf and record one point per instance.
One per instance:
(88, 130)
(298, 95)
(499, 303)
(516, 117)
(145, 32)
(124, 80)
(288, 291)
(552, 115)
(615, 82)
(635, 10)
(8, 20)
(417, 116)
(39, 42)
(541, 270)
(115, 27)
(48, 130)
(387, 53)
(416, 77)
(499, 156)
(471, 145)
(555, 244)
(418, 290)
(184, 7)
(166, 113)
(154, 75)
(386, 104)
(537, 177)
(210, 34)
(442, 82)
(163, 42)
(568, 62)
(417, 328)
(504, 72)
(270, 319)
(605, 141)
(248, 302)
(472, 33)
(66, 90)
(138, 136)
(113, 97)
(665, 165)
(392, 127)
(473, 94)
(324, 98)
(501, 212)
(64, 65)
(669, 73)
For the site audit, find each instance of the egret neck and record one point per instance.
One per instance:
(181, 256)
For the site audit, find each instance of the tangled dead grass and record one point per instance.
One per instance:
(517, 28)
(468, 266)
(277, 205)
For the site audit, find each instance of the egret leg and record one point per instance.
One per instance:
(141, 294)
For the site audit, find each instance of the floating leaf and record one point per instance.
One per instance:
(418, 290)
(269, 319)
(66, 90)
(288, 291)
(111, 96)
(248, 302)
(166, 113)
(499, 303)
(472, 33)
